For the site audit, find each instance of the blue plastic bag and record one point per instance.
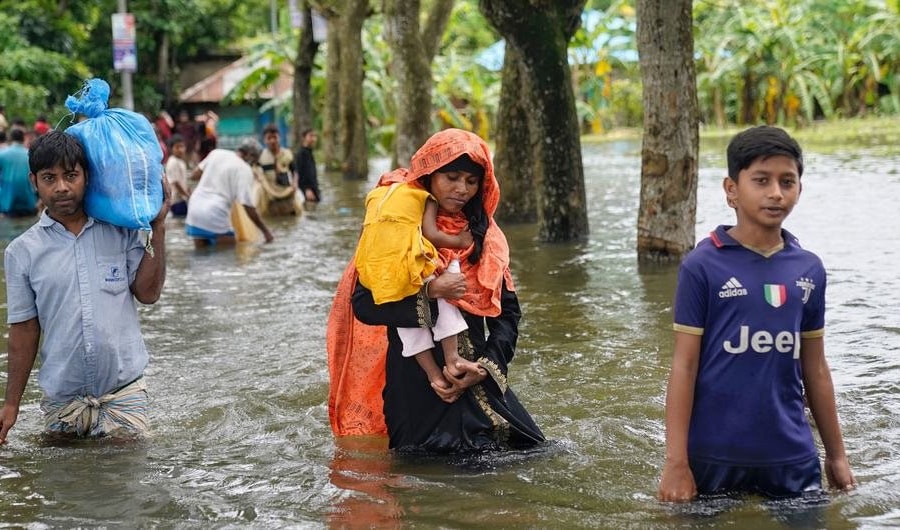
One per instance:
(124, 159)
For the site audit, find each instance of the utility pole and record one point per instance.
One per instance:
(273, 19)
(127, 89)
(273, 16)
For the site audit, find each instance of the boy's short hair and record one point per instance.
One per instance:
(175, 139)
(56, 148)
(271, 128)
(761, 142)
(17, 134)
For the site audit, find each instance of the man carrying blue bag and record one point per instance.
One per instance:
(72, 279)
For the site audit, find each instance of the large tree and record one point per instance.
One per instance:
(668, 203)
(351, 130)
(303, 69)
(514, 162)
(413, 49)
(538, 31)
(331, 107)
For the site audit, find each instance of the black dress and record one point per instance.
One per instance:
(488, 416)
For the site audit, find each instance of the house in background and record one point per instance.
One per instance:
(240, 120)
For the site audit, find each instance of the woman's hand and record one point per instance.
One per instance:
(472, 374)
(450, 285)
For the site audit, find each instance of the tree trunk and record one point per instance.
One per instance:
(540, 35)
(514, 163)
(303, 67)
(719, 108)
(668, 204)
(163, 81)
(351, 126)
(331, 115)
(413, 51)
(748, 100)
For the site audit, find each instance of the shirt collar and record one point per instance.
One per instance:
(720, 237)
(46, 221)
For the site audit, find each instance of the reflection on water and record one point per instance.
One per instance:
(238, 380)
(361, 467)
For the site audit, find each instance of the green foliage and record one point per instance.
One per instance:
(21, 99)
(625, 108)
(798, 59)
(9, 38)
(466, 94)
(80, 34)
(598, 50)
(787, 61)
(378, 88)
(467, 30)
(33, 80)
(266, 58)
(600, 5)
(51, 25)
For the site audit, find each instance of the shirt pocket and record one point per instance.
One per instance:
(112, 273)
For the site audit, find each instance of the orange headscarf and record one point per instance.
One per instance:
(356, 351)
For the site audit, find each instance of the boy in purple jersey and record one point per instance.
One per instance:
(749, 326)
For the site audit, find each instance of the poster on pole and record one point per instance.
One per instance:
(319, 27)
(318, 23)
(296, 14)
(124, 42)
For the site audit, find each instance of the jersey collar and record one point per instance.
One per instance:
(720, 237)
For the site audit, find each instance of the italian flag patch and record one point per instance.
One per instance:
(776, 294)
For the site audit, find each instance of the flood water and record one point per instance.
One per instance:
(238, 380)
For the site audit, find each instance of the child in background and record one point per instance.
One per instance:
(749, 349)
(177, 172)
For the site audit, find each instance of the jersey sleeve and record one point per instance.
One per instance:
(812, 324)
(690, 300)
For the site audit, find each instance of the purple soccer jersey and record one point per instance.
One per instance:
(751, 311)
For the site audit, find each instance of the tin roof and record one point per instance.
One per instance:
(216, 86)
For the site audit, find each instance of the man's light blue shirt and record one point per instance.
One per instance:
(79, 289)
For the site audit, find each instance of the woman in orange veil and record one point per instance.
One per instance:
(374, 389)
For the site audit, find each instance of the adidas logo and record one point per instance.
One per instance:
(732, 288)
